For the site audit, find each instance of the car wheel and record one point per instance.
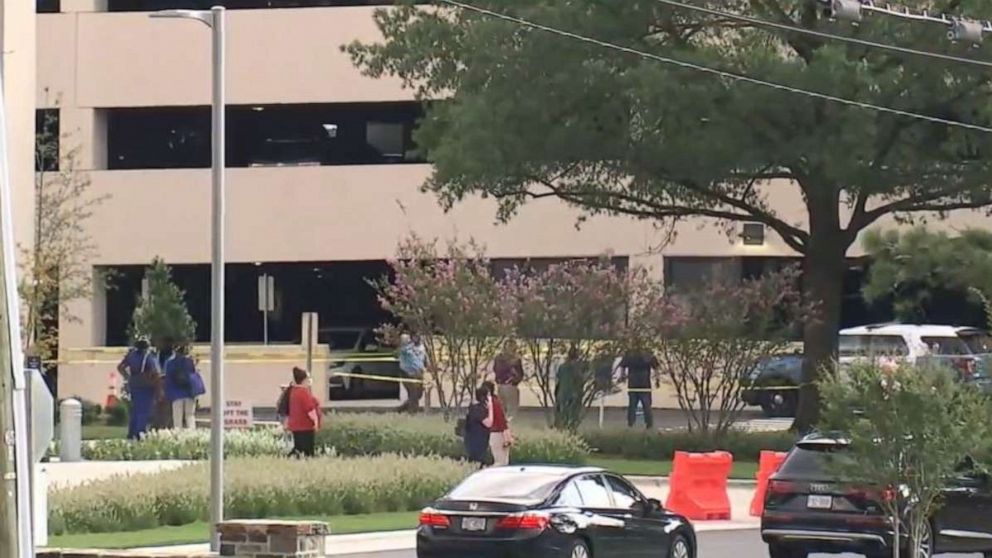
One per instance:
(679, 548)
(782, 551)
(780, 404)
(579, 550)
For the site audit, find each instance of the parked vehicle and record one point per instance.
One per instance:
(913, 344)
(551, 512)
(774, 385)
(355, 353)
(809, 510)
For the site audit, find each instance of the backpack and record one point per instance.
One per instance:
(282, 404)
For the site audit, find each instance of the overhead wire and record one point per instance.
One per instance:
(714, 71)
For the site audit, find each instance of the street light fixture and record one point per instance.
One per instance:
(214, 18)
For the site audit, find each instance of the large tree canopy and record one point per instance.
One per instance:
(532, 114)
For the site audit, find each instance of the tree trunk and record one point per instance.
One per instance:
(823, 278)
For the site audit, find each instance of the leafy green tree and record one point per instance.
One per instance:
(530, 114)
(911, 265)
(161, 314)
(911, 430)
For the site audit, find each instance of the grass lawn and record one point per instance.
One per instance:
(742, 470)
(198, 532)
(103, 432)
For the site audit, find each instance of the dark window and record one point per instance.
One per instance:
(947, 345)
(150, 5)
(594, 492)
(690, 272)
(48, 6)
(158, 138)
(569, 497)
(624, 495)
(509, 484)
(268, 135)
(46, 147)
(337, 291)
(813, 461)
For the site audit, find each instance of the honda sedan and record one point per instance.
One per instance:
(551, 512)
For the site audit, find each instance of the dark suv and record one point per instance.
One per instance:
(808, 510)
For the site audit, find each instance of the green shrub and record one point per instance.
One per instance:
(661, 445)
(255, 488)
(188, 445)
(118, 415)
(347, 435)
(374, 434)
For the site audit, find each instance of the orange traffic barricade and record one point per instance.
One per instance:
(768, 463)
(698, 485)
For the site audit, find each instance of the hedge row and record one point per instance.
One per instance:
(353, 434)
(661, 445)
(255, 488)
(346, 435)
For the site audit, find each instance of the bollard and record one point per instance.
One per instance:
(71, 430)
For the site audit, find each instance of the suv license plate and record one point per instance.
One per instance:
(815, 502)
(473, 524)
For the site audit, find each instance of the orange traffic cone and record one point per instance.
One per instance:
(112, 398)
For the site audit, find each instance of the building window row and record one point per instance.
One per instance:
(264, 135)
(48, 6)
(152, 5)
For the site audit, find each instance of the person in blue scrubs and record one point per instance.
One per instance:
(140, 370)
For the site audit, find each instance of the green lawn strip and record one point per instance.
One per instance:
(198, 532)
(103, 432)
(744, 470)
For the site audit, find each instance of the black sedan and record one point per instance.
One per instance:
(809, 510)
(551, 512)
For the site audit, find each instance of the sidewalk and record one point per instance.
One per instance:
(740, 493)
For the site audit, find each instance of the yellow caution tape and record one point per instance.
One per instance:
(380, 378)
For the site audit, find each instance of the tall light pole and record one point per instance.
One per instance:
(214, 18)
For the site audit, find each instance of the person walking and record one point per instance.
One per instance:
(477, 424)
(637, 366)
(413, 361)
(500, 436)
(570, 388)
(508, 369)
(304, 417)
(140, 371)
(182, 386)
(162, 407)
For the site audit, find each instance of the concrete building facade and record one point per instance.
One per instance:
(133, 93)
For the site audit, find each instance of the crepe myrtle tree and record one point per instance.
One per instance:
(568, 317)
(909, 430)
(447, 294)
(615, 133)
(708, 339)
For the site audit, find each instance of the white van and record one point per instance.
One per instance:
(907, 343)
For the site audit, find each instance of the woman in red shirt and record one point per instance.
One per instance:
(500, 438)
(304, 415)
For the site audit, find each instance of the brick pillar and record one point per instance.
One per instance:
(273, 539)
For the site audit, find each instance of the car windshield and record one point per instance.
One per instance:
(341, 340)
(506, 484)
(814, 461)
(947, 345)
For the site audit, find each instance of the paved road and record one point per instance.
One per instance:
(724, 544)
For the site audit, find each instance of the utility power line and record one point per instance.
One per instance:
(714, 71)
(824, 35)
